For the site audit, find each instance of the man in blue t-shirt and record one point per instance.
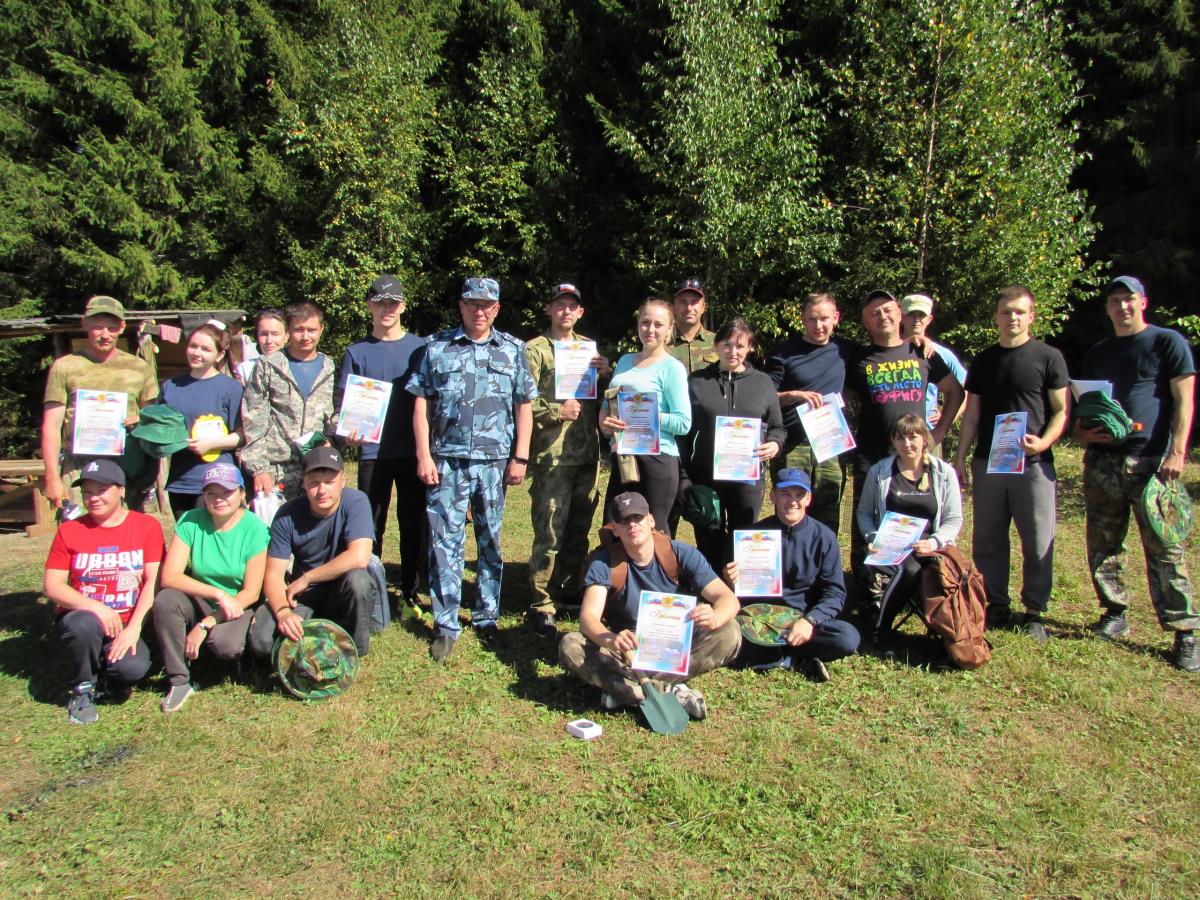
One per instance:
(328, 533)
(597, 653)
(391, 354)
(1153, 377)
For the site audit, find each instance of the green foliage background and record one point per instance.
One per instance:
(252, 152)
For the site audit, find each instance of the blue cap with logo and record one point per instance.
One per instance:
(1131, 284)
(225, 475)
(793, 478)
(481, 289)
(102, 471)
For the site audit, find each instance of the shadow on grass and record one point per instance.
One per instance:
(32, 651)
(1068, 631)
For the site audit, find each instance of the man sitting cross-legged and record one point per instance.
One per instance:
(812, 585)
(597, 653)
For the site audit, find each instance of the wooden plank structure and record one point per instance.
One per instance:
(22, 481)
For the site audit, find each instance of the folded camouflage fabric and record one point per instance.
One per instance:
(766, 624)
(1168, 509)
(161, 430)
(321, 664)
(1096, 409)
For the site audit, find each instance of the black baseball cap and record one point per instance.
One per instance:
(629, 504)
(385, 288)
(322, 458)
(689, 284)
(105, 471)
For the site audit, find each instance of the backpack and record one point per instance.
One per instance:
(953, 603)
(618, 559)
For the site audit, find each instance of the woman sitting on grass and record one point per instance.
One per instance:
(913, 483)
(225, 547)
(101, 575)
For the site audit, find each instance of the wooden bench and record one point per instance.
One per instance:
(23, 496)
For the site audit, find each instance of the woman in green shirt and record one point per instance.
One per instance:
(211, 577)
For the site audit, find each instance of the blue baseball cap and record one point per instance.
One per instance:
(481, 289)
(793, 478)
(1133, 285)
(227, 476)
(102, 471)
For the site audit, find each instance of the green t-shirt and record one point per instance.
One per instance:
(219, 558)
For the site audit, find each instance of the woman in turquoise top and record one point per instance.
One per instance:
(211, 577)
(653, 369)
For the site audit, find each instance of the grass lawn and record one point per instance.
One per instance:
(1065, 770)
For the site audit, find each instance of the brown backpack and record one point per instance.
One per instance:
(618, 559)
(954, 603)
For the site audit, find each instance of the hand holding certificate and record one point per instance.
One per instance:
(734, 449)
(759, 559)
(99, 423)
(664, 633)
(364, 408)
(826, 427)
(895, 539)
(1007, 455)
(639, 412)
(574, 375)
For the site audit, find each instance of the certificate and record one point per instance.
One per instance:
(1081, 387)
(734, 448)
(895, 538)
(826, 427)
(574, 376)
(364, 407)
(639, 412)
(1007, 456)
(664, 633)
(759, 559)
(99, 423)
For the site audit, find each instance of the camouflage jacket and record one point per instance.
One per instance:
(275, 414)
(696, 353)
(472, 390)
(558, 442)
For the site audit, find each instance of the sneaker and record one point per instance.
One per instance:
(177, 695)
(1187, 657)
(541, 623)
(487, 634)
(690, 699)
(441, 648)
(1112, 625)
(999, 615)
(1032, 625)
(609, 703)
(81, 705)
(814, 669)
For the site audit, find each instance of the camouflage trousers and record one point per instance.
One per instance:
(1112, 486)
(599, 667)
(563, 502)
(827, 482)
(463, 483)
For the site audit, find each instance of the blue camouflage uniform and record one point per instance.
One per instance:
(472, 390)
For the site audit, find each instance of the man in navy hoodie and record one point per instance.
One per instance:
(812, 584)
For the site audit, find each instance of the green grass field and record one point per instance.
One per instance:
(1067, 770)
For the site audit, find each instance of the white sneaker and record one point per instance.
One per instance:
(690, 699)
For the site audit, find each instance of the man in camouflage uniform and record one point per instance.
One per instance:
(1153, 377)
(472, 423)
(562, 477)
(287, 407)
(693, 345)
(98, 366)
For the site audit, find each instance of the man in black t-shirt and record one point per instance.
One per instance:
(1153, 377)
(328, 533)
(890, 378)
(1017, 375)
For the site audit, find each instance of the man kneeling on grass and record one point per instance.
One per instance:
(599, 652)
(812, 586)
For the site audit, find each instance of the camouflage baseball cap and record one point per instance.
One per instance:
(321, 664)
(481, 289)
(1168, 508)
(766, 624)
(102, 305)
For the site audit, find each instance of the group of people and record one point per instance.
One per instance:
(474, 410)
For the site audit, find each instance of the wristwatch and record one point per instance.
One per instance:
(205, 628)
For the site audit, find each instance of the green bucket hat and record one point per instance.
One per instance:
(1168, 509)
(702, 506)
(321, 664)
(161, 430)
(766, 624)
(1096, 409)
